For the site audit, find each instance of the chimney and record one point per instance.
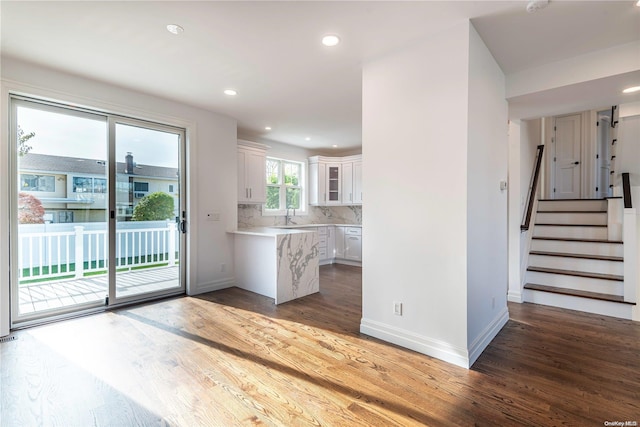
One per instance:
(128, 163)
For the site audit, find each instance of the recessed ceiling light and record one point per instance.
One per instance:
(330, 40)
(267, 128)
(335, 146)
(230, 92)
(638, 3)
(307, 139)
(175, 29)
(631, 89)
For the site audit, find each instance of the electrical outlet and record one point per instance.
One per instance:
(397, 308)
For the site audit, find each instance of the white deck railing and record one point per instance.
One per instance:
(81, 251)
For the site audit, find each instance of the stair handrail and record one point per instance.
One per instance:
(626, 190)
(533, 186)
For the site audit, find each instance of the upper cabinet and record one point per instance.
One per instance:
(335, 180)
(252, 159)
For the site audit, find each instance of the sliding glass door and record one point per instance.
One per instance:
(148, 208)
(97, 208)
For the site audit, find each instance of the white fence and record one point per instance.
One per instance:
(83, 248)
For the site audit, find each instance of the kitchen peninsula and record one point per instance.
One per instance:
(278, 263)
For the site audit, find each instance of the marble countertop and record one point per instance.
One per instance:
(269, 231)
(293, 226)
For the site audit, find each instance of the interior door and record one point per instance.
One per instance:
(567, 142)
(147, 210)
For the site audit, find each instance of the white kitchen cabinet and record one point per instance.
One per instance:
(326, 244)
(252, 158)
(339, 239)
(353, 243)
(347, 183)
(333, 180)
(357, 182)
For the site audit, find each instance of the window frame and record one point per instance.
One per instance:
(302, 185)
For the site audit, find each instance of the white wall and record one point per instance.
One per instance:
(211, 162)
(487, 160)
(591, 66)
(415, 106)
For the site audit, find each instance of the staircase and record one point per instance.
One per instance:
(572, 262)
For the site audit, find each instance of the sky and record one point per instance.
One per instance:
(84, 137)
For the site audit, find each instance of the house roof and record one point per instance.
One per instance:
(78, 165)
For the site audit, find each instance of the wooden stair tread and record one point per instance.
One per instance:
(577, 273)
(577, 293)
(574, 239)
(575, 212)
(574, 200)
(581, 256)
(570, 225)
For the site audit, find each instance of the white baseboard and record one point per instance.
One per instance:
(216, 285)
(515, 296)
(425, 345)
(488, 334)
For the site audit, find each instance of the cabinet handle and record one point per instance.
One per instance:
(246, 193)
(250, 193)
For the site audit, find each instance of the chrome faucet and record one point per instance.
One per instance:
(287, 218)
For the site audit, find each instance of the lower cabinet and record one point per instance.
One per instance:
(340, 242)
(353, 243)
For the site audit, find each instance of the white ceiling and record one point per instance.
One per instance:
(270, 52)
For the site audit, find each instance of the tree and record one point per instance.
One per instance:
(30, 210)
(23, 148)
(154, 207)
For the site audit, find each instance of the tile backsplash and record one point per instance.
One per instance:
(251, 216)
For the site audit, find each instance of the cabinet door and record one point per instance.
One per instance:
(331, 242)
(353, 247)
(252, 187)
(333, 183)
(243, 190)
(357, 182)
(256, 177)
(317, 184)
(339, 241)
(347, 184)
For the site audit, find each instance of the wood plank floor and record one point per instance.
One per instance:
(233, 358)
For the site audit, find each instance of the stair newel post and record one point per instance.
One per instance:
(630, 233)
(614, 219)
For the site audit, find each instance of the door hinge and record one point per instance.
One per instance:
(597, 123)
(597, 156)
(106, 300)
(554, 190)
(596, 188)
(554, 159)
(554, 128)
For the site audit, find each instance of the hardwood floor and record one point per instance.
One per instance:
(233, 358)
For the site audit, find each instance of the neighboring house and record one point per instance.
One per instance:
(74, 189)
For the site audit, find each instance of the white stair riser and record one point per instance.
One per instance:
(605, 308)
(577, 264)
(599, 218)
(611, 287)
(572, 205)
(571, 232)
(583, 248)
